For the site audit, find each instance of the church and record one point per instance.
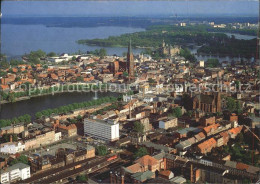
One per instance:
(125, 66)
(207, 103)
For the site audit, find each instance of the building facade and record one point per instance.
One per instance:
(107, 130)
(16, 172)
(169, 123)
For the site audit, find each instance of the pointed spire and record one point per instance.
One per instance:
(129, 47)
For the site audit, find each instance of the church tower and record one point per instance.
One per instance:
(130, 61)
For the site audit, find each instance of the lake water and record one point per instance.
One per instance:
(37, 104)
(19, 39)
(241, 37)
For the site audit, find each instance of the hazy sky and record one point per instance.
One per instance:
(130, 8)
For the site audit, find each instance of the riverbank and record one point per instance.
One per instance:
(71, 110)
(34, 105)
(102, 90)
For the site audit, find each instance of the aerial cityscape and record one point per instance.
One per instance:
(119, 92)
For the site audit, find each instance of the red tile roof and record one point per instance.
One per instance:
(147, 160)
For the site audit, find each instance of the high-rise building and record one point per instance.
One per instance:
(107, 130)
(130, 62)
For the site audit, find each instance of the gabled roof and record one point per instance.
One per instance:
(147, 160)
(242, 166)
(235, 130)
(207, 144)
(208, 128)
(134, 168)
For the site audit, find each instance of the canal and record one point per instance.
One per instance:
(36, 104)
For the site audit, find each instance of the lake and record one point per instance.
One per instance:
(36, 104)
(20, 39)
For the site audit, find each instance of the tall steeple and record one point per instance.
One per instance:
(130, 61)
(129, 47)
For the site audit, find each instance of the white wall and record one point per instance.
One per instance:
(101, 130)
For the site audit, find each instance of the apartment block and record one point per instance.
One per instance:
(15, 172)
(107, 130)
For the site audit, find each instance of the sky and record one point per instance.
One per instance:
(130, 8)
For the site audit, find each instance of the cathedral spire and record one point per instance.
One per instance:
(130, 47)
(130, 61)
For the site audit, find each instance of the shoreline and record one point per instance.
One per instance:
(60, 92)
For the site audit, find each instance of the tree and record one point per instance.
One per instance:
(138, 127)
(141, 152)
(14, 62)
(240, 138)
(2, 73)
(212, 63)
(17, 79)
(233, 105)
(51, 54)
(38, 115)
(82, 178)
(34, 56)
(79, 79)
(101, 150)
(102, 52)
(11, 97)
(187, 55)
(21, 159)
(177, 112)
(4, 64)
(27, 118)
(8, 136)
(125, 74)
(73, 58)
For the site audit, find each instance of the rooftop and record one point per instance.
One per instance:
(16, 166)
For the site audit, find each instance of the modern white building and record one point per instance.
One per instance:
(12, 147)
(19, 171)
(107, 130)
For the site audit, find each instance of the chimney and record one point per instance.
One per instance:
(11, 138)
(164, 162)
(122, 179)
(191, 173)
(57, 122)
(111, 177)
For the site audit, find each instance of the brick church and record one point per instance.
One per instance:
(207, 102)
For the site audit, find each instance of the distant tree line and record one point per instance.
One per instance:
(212, 43)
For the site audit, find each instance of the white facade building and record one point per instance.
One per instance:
(12, 147)
(107, 130)
(16, 172)
(57, 136)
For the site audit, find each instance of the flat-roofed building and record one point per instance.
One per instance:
(107, 130)
(15, 172)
